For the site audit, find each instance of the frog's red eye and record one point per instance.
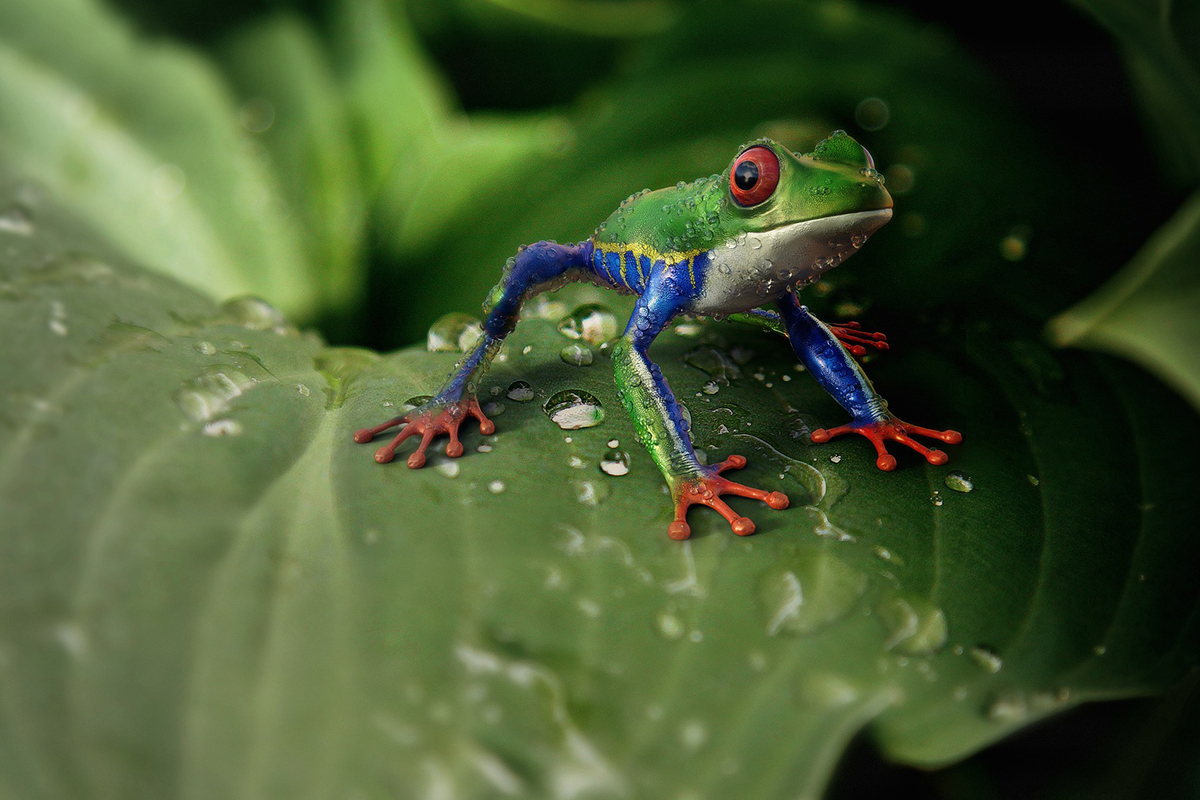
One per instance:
(754, 176)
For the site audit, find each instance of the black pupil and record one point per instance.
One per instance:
(746, 175)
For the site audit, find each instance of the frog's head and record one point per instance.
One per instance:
(812, 210)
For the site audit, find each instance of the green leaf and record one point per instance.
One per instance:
(294, 103)
(142, 142)
(1147, 313)
(211, 591)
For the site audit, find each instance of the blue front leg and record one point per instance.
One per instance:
(839, 374)
(535, 268)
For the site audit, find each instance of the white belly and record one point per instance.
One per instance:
(753, 268)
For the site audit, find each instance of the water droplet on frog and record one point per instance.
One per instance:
(987, 658)
(453, 333)
(592, 323)
(959, 481)
(572, 409)
(222, 427)
(754, 242)
(916, 627)
(16, 219)
(577, 355)
(936, 499)
(205, 348)
(615, 462)
(520, 391)
(496, 487)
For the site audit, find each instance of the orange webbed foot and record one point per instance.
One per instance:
(430, 420)
(707, 490)
(879, 431)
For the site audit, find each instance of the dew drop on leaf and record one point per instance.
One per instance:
(615, 462)
(520, 391)
(572, 409)
(592, 323)
(959, 481)
(987, 658)
(577, 355)
(915, 626)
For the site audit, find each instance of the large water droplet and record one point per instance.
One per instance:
(453, 333)
(577, 355)
(813, 591)
(253, 313)
(592, 323)
(572, 409)
(520, 391)
(615, 462)
(915, 625)
(959, 481)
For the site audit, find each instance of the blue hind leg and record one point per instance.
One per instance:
(837, 372)
(535, 268)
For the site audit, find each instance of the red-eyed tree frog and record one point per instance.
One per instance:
(743, 243)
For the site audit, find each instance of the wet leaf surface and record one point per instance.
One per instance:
(211, 590)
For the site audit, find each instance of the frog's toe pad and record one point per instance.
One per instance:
(707, 490)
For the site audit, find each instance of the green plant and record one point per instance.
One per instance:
(210, 591)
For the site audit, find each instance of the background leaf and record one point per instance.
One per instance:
(1147, 313)
(142, 141)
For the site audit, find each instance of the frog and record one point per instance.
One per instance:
(740, 244)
